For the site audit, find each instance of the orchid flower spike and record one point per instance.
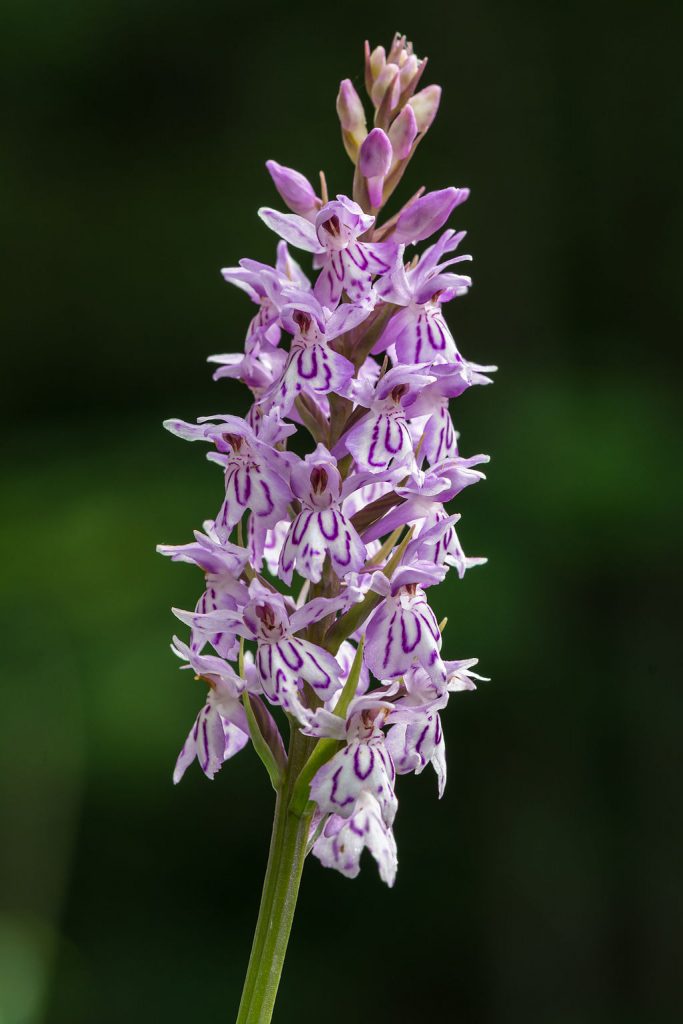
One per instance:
(338, 510)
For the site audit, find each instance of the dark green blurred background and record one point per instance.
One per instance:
(544, 888)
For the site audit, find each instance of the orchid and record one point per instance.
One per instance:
(265, 285)
(321, 529)
(313, 368)
(420, 332)
(318, 562)
(348, 264)
(221, 728)
(383, 438)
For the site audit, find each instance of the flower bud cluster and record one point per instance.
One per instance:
(317, 568)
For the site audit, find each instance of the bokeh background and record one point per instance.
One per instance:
(545, 886)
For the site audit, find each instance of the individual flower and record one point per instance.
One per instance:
(438, 437)
(321, 529)
(362, 766)
(415, 737)
(284, 661)
(418, 742)
(437, 542)
(343, 840)
(403, 631)
(382, 437)
(419, 332)
(223, 565)
(416, 495)
(258, 369)
(264, 285)
(313, 367)
(255, 472)
(221, 729)
(348, 264)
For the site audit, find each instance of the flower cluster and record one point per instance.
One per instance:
(358, 355)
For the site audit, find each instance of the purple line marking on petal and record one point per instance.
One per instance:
(327, 678)
(407, 647)
(419, 331)
(266, 493)
(205, 760)
(371, 451)
(422, 737)
(357, 254)
(302, 522)
(361, 773)
(337, 263)
(390, 424)
(389, 641)
(432, 326)
(321, 523)
(297, 660)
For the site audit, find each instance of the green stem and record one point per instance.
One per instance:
(280, 891)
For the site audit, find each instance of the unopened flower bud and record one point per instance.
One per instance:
(374, 163)
(295, 189)
(352, 118)
(378, 59)
(425, 104)
(409, 70)
(387, 82)
(428, 213)
(402, 133)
